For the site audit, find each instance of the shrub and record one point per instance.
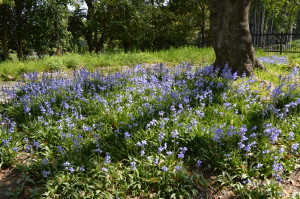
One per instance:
(54, 63)
(72, 63)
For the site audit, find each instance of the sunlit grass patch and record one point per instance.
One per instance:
(110, 62)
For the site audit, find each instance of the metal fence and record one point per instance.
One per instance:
(282, 43)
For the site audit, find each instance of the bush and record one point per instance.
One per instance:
(54, 63)
(72, 63)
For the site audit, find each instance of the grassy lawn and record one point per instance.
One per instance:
(108, 62)
(151, 132)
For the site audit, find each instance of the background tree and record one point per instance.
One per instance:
(56, 26)
(201, 19)
(269, 16)
(6, 17)
(48, 27)
(76, 28)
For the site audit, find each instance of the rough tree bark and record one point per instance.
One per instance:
(231, 36)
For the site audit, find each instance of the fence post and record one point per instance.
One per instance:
(281, 41)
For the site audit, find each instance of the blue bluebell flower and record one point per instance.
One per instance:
(164, 168)
(45, 173)
(198, 163)
(133, 165)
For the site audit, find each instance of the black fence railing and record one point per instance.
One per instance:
(280, 42)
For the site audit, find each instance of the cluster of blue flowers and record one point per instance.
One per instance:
(274, 60)
(169, 107)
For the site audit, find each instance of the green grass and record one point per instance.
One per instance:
(112, 62)
(109, 62)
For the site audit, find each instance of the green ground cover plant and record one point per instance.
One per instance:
(153, 132)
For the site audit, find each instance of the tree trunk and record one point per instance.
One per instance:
(272, 22)
(203, 24)
(255, 21)
(298, 24)
(59, 51)
(5, 32)
(100, 44)
(19, 6)
(90, 28)
(20, 49)
(231, 36)
(58, 46)
(126, 45)
(263, 17)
